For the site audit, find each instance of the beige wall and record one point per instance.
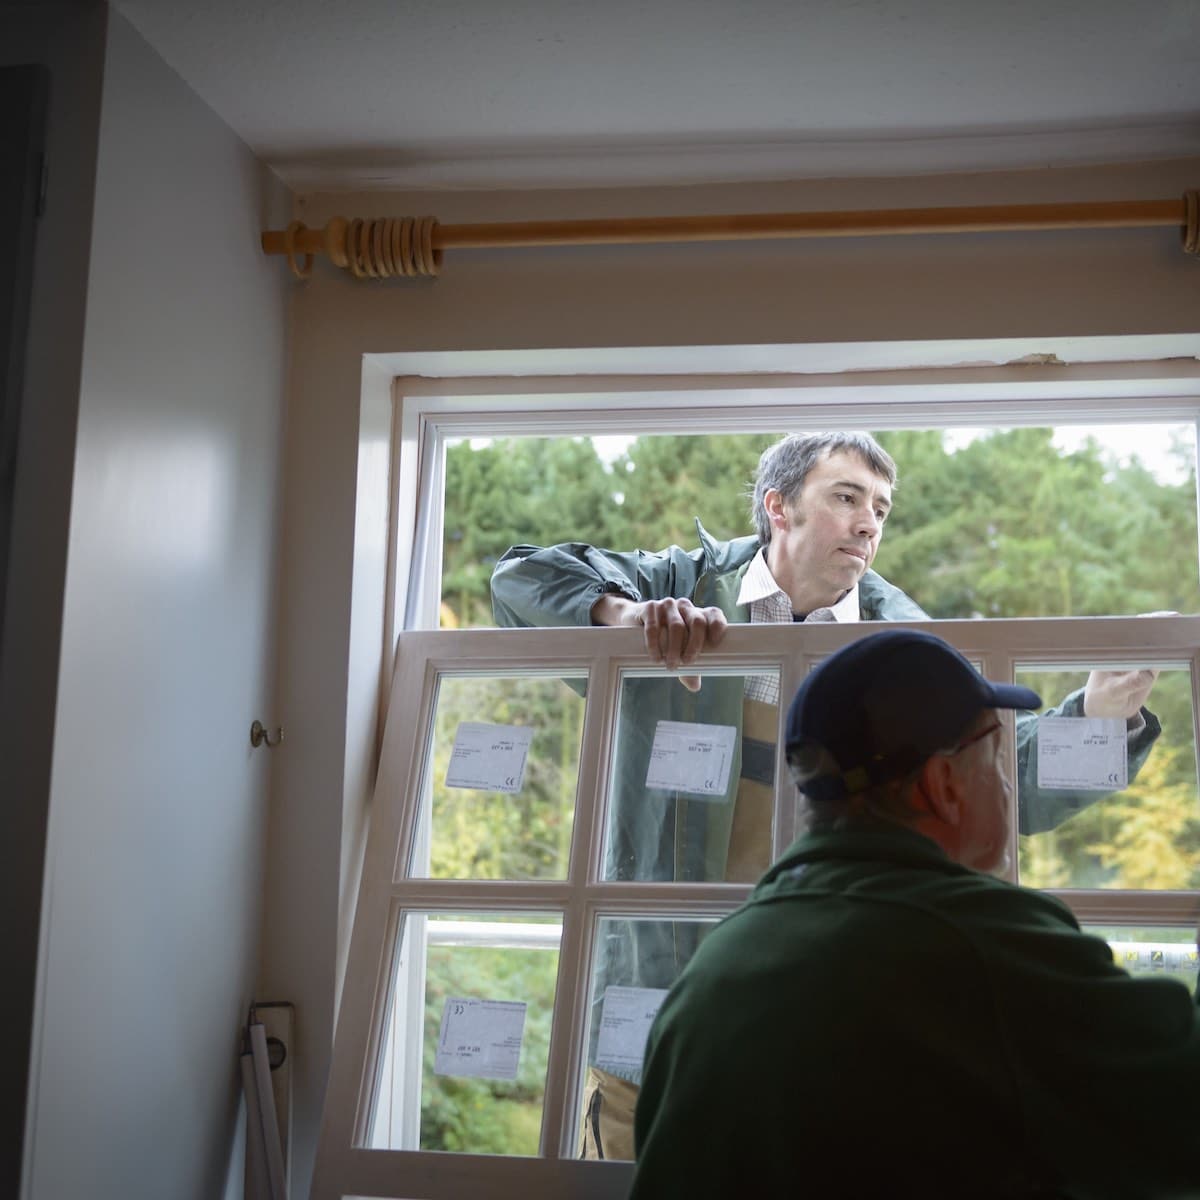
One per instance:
(869, 290)
(158, 805)
(1034, 292)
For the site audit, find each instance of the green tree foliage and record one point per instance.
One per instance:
(513, 491)
(1147, 836)
(497, 835)
(1010, 526)
(667, 482)
(483, 1116)
(1153, 835)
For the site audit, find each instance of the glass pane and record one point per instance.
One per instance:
(692, 791)
(1152, 950)
(1143, 836)
(498, 799)
(1004, 522)
(467, 1038)
(636, 960)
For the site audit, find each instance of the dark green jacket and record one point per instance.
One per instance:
(878, 1021)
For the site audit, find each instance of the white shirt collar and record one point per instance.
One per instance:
(846, 609)
(759, 584)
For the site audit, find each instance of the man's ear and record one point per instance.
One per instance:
(776, 509)
(939, 784)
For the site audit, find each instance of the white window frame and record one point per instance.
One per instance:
(429, 411)
(344, 1165)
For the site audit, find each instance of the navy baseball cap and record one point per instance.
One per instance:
(878, 708)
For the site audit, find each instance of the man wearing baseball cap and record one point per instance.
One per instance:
(883, 1017)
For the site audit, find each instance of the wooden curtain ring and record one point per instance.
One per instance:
(418, 247)
(364, 249)
(387, 262)
(406, 251)
(377, 248)
(433, 259)
(1191, 222)
(289, 242)
(335, 241)
(352, 247)
(397, 253)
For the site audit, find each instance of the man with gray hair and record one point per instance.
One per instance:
(884, 1018)
(820, 503)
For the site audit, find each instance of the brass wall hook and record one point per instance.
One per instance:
(260, 735)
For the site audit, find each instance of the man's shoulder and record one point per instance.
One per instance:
(722, 557)
(899, 870)
(890, 916)
(974, 895)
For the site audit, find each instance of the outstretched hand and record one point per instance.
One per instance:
(675, 632)
(1117, 693)
(1120, 693)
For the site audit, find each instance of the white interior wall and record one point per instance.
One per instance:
(1031, 291)
(158, 806)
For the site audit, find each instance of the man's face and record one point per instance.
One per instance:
(823, 542)
(983, 833)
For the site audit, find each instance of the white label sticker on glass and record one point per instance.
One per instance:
(624, 1026)
(691, 758)
(489, 758)
(480, 1038)
(1084, 753)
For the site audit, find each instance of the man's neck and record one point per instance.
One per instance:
(805, 597)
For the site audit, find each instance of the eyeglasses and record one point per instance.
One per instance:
(975, 737)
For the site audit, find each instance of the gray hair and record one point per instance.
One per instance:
(882, 805)
(785, 466)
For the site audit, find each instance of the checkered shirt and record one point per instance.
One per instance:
(770, 604)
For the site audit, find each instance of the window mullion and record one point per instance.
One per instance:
(999, 663)
(560, 1099)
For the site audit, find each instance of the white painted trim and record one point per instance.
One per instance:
(495, 935)
(1155, 355)
(540, 420)
(650, 389)
(582, 897)
(1091, 381)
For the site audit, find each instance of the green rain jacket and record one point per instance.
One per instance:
(532, 586)
(879, 1021)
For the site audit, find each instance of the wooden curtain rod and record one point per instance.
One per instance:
(382, 247)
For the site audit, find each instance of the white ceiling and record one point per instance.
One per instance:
(511, 93)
